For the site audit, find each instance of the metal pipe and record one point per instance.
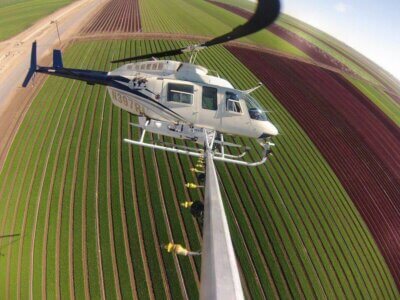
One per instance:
(163, 148)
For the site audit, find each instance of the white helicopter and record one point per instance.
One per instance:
(182, 100)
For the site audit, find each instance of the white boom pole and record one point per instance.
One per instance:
(219, 270)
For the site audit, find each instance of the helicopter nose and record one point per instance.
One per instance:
(269, 130)
(272, 130)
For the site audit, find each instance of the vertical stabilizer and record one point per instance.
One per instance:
(57, 60)
(33, 66)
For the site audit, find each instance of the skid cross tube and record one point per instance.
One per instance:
(209, 137)
(168, 149)
(209, 144)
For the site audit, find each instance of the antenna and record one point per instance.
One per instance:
(193, 56)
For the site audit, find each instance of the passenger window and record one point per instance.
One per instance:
(233, 103)
(181, 93)
(209, 98)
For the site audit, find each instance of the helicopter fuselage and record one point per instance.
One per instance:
(181, 92)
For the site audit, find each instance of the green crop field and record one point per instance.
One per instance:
(17, 15)
(92, 212)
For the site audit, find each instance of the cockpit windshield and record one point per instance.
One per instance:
(256, 111)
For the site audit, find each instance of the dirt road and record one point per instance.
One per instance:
(15, 58)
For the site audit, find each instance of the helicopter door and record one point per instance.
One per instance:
(181, 97)
(234, 118)
(209, 115)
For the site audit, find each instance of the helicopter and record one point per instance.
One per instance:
(181, 99)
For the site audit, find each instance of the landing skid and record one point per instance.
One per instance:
(203, 136)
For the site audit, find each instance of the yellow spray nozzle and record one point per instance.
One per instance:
(169, 247)
(196, 170)
(191, 185)
(187, 204)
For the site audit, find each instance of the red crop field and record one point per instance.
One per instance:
(308, 48)
(116, 16)
(361, 144)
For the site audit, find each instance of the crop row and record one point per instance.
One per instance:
(116, 16)
(359, 142)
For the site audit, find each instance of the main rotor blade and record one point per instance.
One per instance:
(266, 13)
(151, 55)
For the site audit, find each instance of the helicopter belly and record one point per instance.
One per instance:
(138, 103)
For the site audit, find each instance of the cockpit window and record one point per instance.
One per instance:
(232, 102)
(209, 98)
(256, 111)
(182, 93)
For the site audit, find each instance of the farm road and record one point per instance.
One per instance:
(15, 56)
